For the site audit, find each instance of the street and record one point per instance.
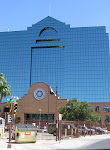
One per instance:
(104, 144)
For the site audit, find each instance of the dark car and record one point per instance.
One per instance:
(52, 128)
(71, 129)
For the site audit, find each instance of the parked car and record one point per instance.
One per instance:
(45, 129)
(90, 130)
(87, 130)
(81, 130)
(100, 130)
(41, 129)
(52, 128)
(69, 127)
(97, 129)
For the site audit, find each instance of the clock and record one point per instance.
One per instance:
(39, 94)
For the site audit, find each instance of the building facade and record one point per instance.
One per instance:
(76, 60)
(102, 109)
(41, 104)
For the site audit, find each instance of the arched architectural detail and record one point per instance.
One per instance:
(49, 29)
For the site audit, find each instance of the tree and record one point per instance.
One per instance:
(77, 110)
(93, 117)
(4, 87)
(1, 76)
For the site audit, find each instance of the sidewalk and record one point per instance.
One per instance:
(72, 143)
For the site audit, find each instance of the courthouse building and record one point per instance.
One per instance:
(75, 59)
(41, 103)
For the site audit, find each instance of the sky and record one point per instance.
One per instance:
(19, 14)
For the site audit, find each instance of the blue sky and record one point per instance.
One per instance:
(20, 14)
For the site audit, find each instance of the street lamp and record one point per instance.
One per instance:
(39, 117)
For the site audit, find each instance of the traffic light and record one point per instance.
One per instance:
(15, 108)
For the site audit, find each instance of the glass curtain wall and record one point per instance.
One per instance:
(80, 69)
(48, 66)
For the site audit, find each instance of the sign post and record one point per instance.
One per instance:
(12, 101)
(56, 129)
(60, 119)
(10, 120)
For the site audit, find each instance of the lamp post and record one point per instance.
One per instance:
(56, 108)
(39, 117)
(60, 119)
(48, 102)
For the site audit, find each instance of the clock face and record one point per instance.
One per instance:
(39, 94)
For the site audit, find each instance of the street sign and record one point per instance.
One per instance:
(8, 99)
(68, 126)
(10, 118)
(13, 100)
(60, 116)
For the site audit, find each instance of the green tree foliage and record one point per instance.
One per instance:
(4, 87)
(93, 117)
(74, 110)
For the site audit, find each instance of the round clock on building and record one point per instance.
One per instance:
(39, 94)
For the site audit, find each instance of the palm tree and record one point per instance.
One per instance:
(1, 76)
(4, 87)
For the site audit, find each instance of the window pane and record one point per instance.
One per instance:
(106, 108)
(106, 118)
(98, 108)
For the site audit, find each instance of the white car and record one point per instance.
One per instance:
(105, 131)
(102, 130)
(44, 130)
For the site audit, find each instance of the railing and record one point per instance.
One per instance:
(83, 128)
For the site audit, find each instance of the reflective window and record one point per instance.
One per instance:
(106, 118)
(106, 108)
(47, 66)
(40, 116)
(78, 63)
(98, 108)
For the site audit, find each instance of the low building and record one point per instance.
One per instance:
(41, 104)
(102, 109)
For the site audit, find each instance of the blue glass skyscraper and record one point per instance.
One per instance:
(75, 59)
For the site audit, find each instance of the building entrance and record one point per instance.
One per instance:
(39, 117)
